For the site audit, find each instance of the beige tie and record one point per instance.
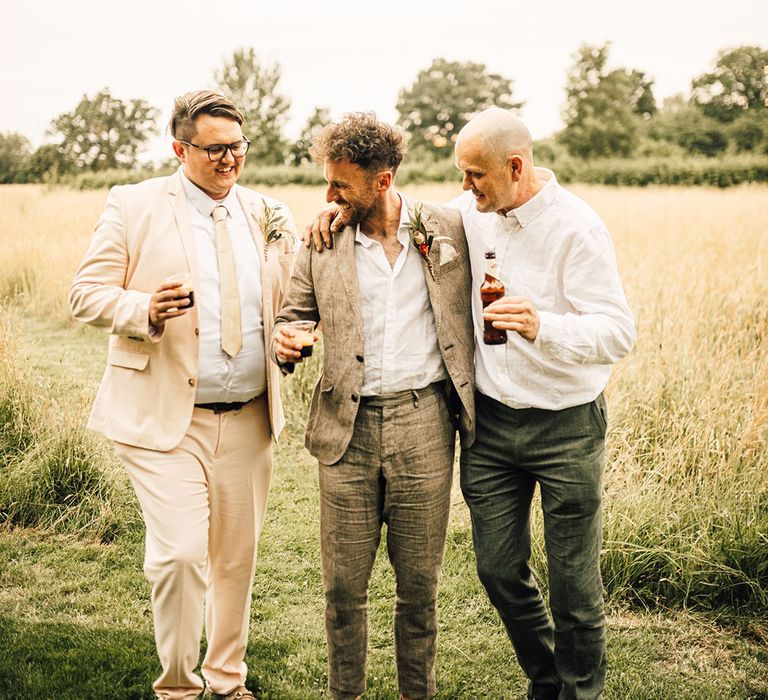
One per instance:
(231, 332)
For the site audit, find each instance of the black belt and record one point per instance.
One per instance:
(221, 407)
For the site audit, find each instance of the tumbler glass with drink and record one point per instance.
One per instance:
(304, 333)
(186, 290)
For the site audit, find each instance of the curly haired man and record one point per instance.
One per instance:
(397, 379)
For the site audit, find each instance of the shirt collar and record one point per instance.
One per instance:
(527, 212)
(402, 228)
(201, 201)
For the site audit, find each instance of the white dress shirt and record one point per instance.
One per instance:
(401, 349)
(557, 252)
(222, 378)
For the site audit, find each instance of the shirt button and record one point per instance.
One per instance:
(191, 381)
(359, 358)
(354, 397)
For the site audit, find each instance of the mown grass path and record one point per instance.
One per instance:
(75, 623)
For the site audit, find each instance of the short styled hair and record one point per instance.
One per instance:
(363, 140)
(189, 106)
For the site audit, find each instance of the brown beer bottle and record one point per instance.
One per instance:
(491, 290)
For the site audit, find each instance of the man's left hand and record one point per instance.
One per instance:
(514, 314)
(320, 232)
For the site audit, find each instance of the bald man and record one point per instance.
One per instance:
(541, 415)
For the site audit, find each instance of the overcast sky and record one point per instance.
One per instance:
(346, 55)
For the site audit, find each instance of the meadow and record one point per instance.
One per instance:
(685, 557)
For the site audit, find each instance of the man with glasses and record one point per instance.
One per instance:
(188, 396)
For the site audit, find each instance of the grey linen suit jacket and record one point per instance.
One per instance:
(324, 287)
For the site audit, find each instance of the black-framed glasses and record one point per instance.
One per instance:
(217, 151)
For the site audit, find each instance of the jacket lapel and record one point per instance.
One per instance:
(433, 288)
(346, 269)
(178, 202)
(252, 206)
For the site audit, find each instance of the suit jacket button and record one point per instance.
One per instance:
(191, 381)
(354, 397)
(197, 331)
(359, 358)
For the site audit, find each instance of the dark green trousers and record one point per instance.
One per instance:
(562, 451)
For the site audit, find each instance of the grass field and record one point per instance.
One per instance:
(685, 559)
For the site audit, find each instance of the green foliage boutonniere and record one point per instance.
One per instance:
(274, 224)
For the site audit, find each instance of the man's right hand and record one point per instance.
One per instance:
(287, 348)
(167, 302)
(320, 231)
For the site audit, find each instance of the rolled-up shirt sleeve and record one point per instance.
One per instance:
(600, 328)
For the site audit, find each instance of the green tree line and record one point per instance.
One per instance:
(609, 113)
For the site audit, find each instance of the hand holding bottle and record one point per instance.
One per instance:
(513, 314)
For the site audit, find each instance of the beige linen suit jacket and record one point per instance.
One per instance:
(144, 235)
(325, 287)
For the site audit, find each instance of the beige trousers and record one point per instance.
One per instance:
(203, 505)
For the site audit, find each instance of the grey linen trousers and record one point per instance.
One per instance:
(397, 470)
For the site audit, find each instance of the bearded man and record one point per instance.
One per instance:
(393, 298)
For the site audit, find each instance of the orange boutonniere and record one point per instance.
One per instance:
(421, 238)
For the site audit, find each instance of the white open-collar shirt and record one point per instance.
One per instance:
(401, 348)
(556, 251)
(222, 378)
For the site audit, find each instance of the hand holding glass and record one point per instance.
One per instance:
(186, 289)
(303, 332)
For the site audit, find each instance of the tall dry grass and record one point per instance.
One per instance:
(687, 484)
(53, 474)
(686, 514)
(42, 236)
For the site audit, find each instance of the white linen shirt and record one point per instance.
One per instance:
(222, 378)
(401, 349)
(557, 252)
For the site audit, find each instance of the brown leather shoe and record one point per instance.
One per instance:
(239, 693)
